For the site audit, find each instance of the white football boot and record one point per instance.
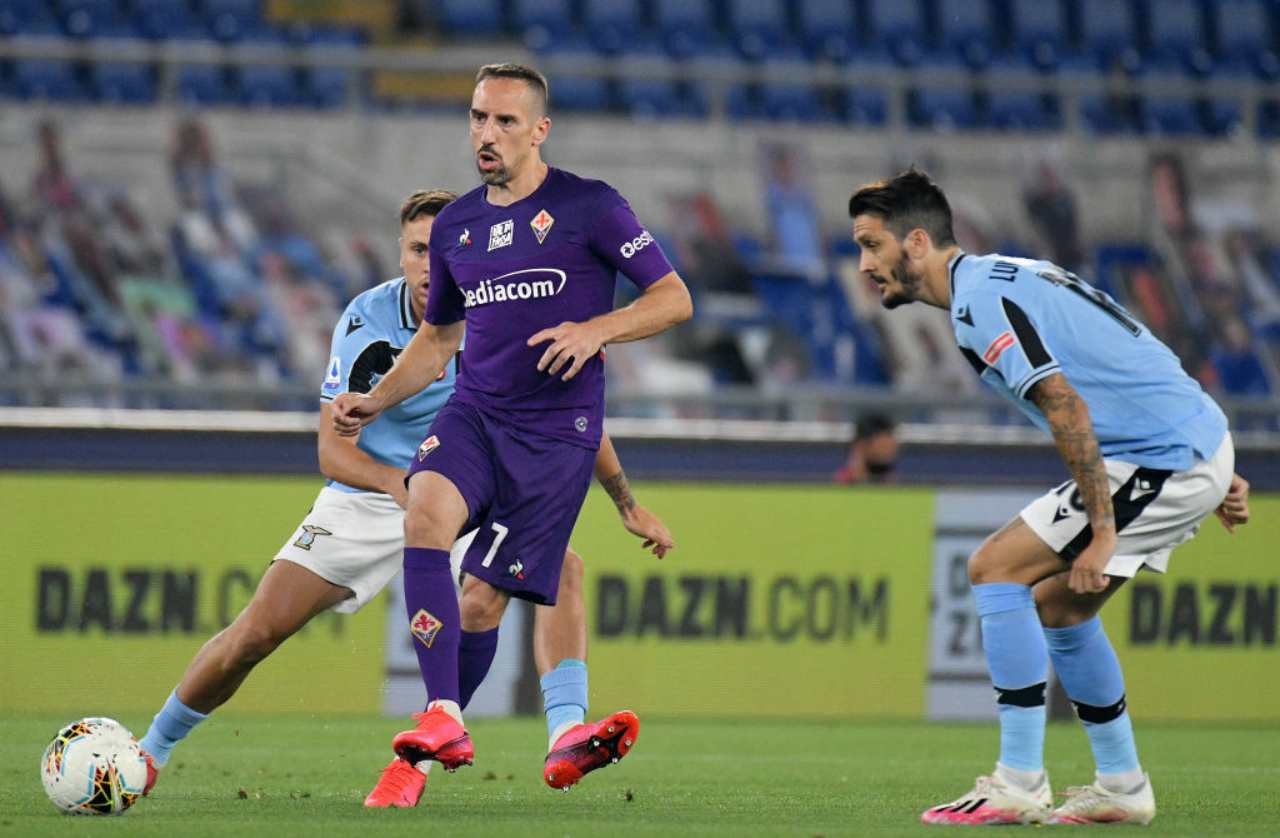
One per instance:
(1095, 804)
(994, 802)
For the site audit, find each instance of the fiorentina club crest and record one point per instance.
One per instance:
(541, 224)
(425, 626)
(428, 445)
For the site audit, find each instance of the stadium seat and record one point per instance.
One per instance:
(901, 25)
(1171, 116)
(744, 102)
(1221, 117)
(270, 85)
(759, 27)
(92, 18)
(1107, 33)
(328, 87)
(545, 24)
(204, 84)
(791, 103)
(1105, 115)
(29, 18)
(649, 97)
(471, 17)
(44, 78)
(1039, 32)
(942, 109)
(1245, 40)
(581, 93)
(1269, 119)
(123, 83)
(164, 19)
(1176, 37)
(229, 20)
(862, 105)
(687, 26)
(966, 30)
(613, 24)
(1022, 112)
(829, 28)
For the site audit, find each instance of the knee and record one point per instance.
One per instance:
(423, 526)
(571, 575)
(984, 567)
(481, 608)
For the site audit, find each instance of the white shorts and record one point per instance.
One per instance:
(356, 540)
(1156, 510)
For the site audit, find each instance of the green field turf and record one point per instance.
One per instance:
(308, 777)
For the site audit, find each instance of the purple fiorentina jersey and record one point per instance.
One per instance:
(514, 271)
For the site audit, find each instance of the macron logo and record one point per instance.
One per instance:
(541, 282)
(1002, 342)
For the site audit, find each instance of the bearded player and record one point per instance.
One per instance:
(351, 543)
(528, 262)
(1149, 456)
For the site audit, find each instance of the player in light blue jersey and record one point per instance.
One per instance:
(1149, 457)
(350, 544)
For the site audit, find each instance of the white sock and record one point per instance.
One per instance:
(564, 728)
(424, 766)
(450, 707)
(1025, 780)
(1126, 782)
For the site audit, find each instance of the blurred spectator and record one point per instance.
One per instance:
(873, 452)
(793, 215)
(1240, 371)
(1052, 209)
(706, 250)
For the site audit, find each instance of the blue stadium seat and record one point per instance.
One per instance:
(1171, 116)
(471, 17)
(942, 109)
(328, 87)
(759, 27)
(92, 18)
(744, 102)
(1108, 33)
(1022, 112)
(966, 30)
(43, 78)
(829, 28)
(580, 93)
(863, 105)
(1039, 31)
(269, 85)
(123, 82)
(1245, 40)
(687, 26)
(164, 19)
(204, 84)
(613, 24)
(1176, 36)
(30, 18)
(229, 20)
(1269, 119)
(791, 103)
(1105, 115)
(1221, 117)
(649, 97)
(901, 25)
(545, 23)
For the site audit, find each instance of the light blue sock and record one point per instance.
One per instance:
(564, 693)
(1019, 664)
(169, 727)
(1090, 672)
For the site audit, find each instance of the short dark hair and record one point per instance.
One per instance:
(873, 424)
(425, 202)
(908, 200)
(528, 75)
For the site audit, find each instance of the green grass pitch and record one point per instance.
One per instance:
(307, 776)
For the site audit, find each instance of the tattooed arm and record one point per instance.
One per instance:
(638, 520)
(1072, 429)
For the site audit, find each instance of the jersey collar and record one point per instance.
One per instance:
(406, 307)
(951, 272)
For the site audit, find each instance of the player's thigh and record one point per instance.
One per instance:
(288, 596)
(437, 511)
(1014, 553)
(1061, 607)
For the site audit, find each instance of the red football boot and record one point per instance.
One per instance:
(153, 774)
(438, 736)
(400, 785)
(585, 747)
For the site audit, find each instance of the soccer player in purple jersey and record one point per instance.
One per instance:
(528, 263)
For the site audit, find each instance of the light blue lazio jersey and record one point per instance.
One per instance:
(376, 326)
(1019, 321)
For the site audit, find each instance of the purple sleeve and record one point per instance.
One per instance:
(444, 300)
(618, 238)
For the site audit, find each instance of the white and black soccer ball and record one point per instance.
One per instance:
(93, 767)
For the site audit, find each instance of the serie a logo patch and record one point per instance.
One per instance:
(425, 626)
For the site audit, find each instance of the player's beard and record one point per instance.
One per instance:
(499, 176)
(907, 281)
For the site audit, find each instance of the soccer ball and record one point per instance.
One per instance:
(93, 767)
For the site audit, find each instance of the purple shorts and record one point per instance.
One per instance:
(523, 494)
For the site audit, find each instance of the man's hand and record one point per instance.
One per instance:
(1234, 508)
(643, 523)
(579, 342)
(352, 411)
(1086, 571)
